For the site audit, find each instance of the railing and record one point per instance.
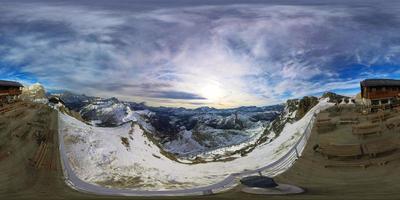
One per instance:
(272, 169)
(292, 155)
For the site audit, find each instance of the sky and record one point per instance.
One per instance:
(199, 53)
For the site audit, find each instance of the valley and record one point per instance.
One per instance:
(189, 134)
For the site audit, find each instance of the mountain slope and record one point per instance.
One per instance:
(124, 157)
(183, 132)
(195, 135)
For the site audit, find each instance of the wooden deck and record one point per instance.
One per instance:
(341, 151)
(373, 175)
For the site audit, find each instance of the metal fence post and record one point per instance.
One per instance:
(207, 192)
(297, 153)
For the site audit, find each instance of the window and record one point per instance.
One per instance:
(383, 89)
(373, 89)
(384, 101)
(375, 102)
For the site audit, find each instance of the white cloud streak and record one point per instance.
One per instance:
(248, 54)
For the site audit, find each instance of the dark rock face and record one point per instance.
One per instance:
(291, 106)
(75, 102)
(108, 112)
(169, 121)
(298, 106)
(91, 108)
(165, 129)
(55, 100)
(305, 104)
(334, 98)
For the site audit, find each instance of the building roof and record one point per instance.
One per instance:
(10, 84)
(379, 82)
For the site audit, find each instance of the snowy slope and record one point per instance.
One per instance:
(183, 132)
(100, 156)
(107, 112)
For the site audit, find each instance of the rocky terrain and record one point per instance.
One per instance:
(335, 98)
(126, 157)
(184, 132)
(125, 139)
(35, 92)
(194, 133)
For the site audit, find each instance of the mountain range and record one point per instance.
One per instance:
(192, 133)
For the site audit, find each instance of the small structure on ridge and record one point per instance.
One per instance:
(380, 92)
(9, 91)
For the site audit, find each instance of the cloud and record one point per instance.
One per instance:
(176, 95)
(250, 54)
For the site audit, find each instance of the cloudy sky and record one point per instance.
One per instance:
(199, 53)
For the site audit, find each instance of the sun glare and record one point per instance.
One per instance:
(212, 92)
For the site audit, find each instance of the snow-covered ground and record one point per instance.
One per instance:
(189, 134)
(123, 157)
(223, 152)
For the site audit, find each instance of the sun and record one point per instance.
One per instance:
(212, 92)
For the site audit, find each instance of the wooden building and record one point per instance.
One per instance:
(9, 91)
(380, 91)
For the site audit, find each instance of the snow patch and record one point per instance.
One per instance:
(98, 156)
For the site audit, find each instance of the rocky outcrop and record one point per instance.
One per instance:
(34, 92)
(334, 98)
(75, 102)
(295, 109)
(305, 104)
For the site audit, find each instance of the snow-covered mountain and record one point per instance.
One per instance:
(124, 157)
(194, 135)
(180, 131)
(131, 145)
(294, 110)
(206, 129)
(73, 101)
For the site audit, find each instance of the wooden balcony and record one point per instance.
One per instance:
(382, 94)
(11, 92)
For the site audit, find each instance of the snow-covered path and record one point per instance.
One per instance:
(92, 156)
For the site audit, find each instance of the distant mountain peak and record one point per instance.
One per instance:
(333, 97)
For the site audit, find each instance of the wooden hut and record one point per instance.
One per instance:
(9, 91)
(378, 92)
